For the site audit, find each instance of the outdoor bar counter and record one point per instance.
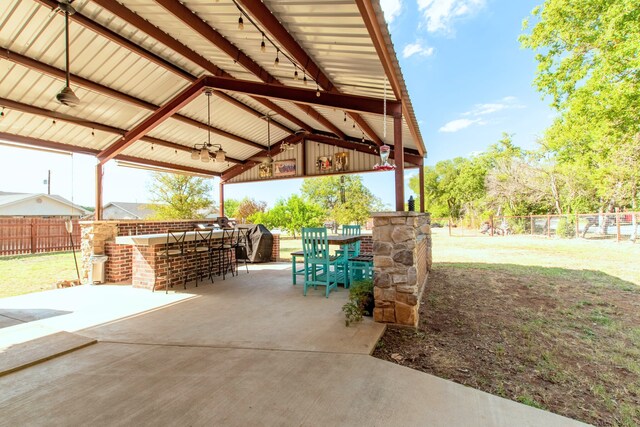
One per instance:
(149, 269)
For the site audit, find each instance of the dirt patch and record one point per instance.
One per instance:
(552, 340)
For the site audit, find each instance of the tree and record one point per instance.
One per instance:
(249, 207)
(356, 205)
(589, 63)
(231, 207)
(291, 215)
(180, 196)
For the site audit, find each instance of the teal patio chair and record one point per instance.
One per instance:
(319, 266)
(354, 248)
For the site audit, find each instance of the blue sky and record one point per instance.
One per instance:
(467, 76)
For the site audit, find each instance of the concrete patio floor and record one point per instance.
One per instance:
(250, 350)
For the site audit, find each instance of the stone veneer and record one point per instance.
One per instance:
(98, 238)
(401, 263)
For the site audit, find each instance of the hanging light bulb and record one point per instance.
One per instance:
(354, 124)
(276, 63)
(2, 112)
(152, 146)
(295, 74)
(93, 133)
(240, 23)
(317, 90)
(305, 80)
(263, 46)
(345, 116)
(363, 141)
(53, 122)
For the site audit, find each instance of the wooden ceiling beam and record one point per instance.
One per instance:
(306, 96)
(52, 145)
(104, 90)
(184, 14)
(25, 108)
(263, 15)
(154, 120)
(145, 26)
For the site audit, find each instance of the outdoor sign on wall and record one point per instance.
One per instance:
(284, 168)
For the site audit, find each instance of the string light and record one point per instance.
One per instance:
(317, 90)
(345, 116)
(295, 73)
(93, 132)
(53, 122)
(263, 46)
(2, 112)
(305, 80)
(152, 146)
(354, 124)
(276, 63)
(240, 23)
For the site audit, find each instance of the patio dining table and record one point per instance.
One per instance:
(344, 242)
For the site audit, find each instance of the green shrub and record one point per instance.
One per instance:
(360, 301)
(566, 227)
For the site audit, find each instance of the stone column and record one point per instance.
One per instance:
(94, 234)
(401, 262)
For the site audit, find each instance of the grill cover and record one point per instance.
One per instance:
(259, 242)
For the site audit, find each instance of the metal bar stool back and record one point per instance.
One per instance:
(173, 253)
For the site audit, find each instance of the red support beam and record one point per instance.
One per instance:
(421, 179)
(221, 198)
(374, 27)
(306, 96)
(97, 213)
(25, 108)
(104, 90)
(143, 25)
(263, 15)
(184, 14)
(410, 158)
(52, 145)
(159, 116)
(399, 160)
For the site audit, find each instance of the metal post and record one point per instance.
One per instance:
(421, 172)
(221, 198)
(398, 151)
(97, 214)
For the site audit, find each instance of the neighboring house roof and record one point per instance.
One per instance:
(137, 210)
(9, 200)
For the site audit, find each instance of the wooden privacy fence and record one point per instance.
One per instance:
(36, 235)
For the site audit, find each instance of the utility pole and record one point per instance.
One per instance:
(49, 182)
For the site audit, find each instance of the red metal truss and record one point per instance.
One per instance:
(25, 108)
(160, 115)
(42, 143)
(97, 87)
(306, 96)
(164, 38)
(184, 14)
(262, 13)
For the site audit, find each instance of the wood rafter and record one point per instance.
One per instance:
(151, 122)
(184, 14)
(263, 15)
(25, 108)
(96, 87)
(42, 143)
(328, 99)
(145, 26)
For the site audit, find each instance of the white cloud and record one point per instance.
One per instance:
(459, 124)
(416, 48)
(440, 14)
(509, 103)
(391, 9)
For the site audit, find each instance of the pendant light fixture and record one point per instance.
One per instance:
(201, 151)
(66, 95)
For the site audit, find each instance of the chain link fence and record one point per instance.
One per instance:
(617, 226)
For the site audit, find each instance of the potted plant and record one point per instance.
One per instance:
(360, 302)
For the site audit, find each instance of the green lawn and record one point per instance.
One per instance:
(289, 245)
(32, 273)
(590, 257)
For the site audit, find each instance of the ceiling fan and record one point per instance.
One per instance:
(66, 95)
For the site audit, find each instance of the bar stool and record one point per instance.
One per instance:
(224, 250)
(202, 245)
(173, 252)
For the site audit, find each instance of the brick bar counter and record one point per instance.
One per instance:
(401, 264)
(131, 259)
